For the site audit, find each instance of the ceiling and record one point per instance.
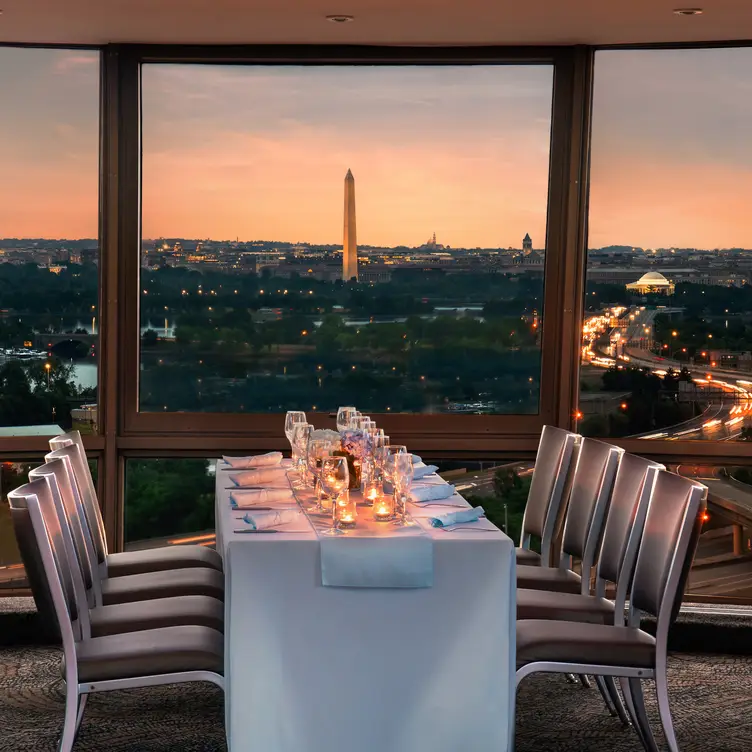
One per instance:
(419, 22)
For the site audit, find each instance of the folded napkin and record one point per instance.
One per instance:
(262, 476)
(255, 496)
(273, 518)
(420, 470)
(454, 518)
(259, 460)
(434, 492)
(417, 459)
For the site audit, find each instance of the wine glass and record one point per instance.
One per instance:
(335, 479)
(390, 452)
(291, 418)
(344, 417)
(402, 478)
(316, 451)
(301, 432)
(354, 420)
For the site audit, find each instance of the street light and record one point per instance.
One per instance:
(48, 368)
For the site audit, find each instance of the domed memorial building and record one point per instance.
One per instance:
(651, 282)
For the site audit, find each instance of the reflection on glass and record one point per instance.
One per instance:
(49, 201)
(343, 234)
(667, 333)
(169, 501)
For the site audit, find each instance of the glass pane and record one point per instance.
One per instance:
(168, 501)
(49, 249)
(258, 291)
(668, 312)
(721, 567)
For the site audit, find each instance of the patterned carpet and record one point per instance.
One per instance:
(711, 697)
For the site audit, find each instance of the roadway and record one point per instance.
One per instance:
(721, 421)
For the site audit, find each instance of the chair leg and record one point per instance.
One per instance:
(585, 681)
(601, 684)
(68, 737)
(629, 703)
(571, 678)
(81, 707)
(613, 693)
(638, 699)
(661, 687)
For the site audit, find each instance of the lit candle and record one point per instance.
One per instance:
(382, 511)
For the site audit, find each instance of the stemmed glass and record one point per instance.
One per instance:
(301, 432)
(344, 417)
(335, 479)
(379, 454)
(402, 478)
(316, 452)
(293, 417)
(390, 452)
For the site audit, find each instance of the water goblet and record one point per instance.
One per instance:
(291, 418)
(316, 451)
(335, 480)
(390, 452)
(402, 480)
(344, 417)
(301, 432)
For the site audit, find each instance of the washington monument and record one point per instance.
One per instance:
(350, 242)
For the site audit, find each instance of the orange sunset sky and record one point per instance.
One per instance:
(261, 152)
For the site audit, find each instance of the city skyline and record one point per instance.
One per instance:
(459, 151)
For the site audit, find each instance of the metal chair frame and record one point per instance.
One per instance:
(37, 496)
(631, 677)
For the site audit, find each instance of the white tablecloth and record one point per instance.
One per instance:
(320, 669)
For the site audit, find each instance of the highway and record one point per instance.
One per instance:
(721, 421)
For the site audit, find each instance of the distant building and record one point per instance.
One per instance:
(651, 282)
(527, 243)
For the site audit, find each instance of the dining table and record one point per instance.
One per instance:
(381, 639)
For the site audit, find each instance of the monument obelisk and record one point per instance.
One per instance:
(350, 242)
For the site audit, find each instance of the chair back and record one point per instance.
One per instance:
(592, 484)
(73, 533)
(551, 476)
(36, 498)
(32, 560)
(668, 545)
(86, 486)
(622, 530)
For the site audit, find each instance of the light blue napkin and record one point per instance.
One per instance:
(454, 518)
(416, 459)
(273, 518)
(420, 470)
(432, 492)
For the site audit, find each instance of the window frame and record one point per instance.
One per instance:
(262, 430)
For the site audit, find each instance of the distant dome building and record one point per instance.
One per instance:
(651, 282)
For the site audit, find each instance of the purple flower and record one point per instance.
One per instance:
(356, 442)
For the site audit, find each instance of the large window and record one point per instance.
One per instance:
(49, 248)
(168, 501)
(314, 236)
(667, 349)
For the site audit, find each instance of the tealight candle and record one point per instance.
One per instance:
(346, 511)
(383, 509)
(371, 494)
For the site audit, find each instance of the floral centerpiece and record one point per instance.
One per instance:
(356, 447)
(332, 437)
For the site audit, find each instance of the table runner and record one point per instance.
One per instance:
(372, 554)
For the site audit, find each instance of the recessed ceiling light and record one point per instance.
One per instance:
(340, 19)
(688, 12)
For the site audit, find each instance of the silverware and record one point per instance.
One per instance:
(270, 530)
(255, 508)
(467, 526)
(437, 504)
